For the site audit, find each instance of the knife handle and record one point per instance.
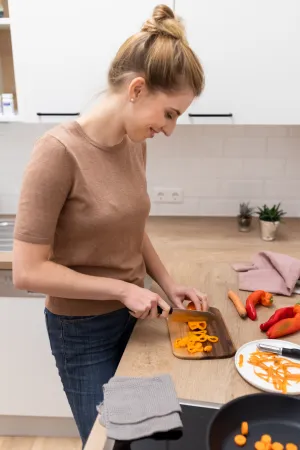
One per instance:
(291, 352)
(160, 310)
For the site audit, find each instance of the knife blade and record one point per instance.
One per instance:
(282, 351)
(186, 315)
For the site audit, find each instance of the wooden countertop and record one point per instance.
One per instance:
(5, 260)
(6, 257)
(198, 252)
(207, 239)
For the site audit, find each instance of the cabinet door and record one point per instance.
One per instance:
(249, 52)
(29, 382)
(62, 50)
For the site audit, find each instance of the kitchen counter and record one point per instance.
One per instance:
(202, 239)
(5, 260)
(198, 252)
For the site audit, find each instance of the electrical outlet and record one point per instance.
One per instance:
(168, 195)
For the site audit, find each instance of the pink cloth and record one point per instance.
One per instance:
(269, 271)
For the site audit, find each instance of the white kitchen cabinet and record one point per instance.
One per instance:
(9, 112)
(29, 381)
(249, 50)
(62, 50)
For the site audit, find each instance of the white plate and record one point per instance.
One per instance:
(247, 371)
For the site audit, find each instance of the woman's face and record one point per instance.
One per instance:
(148, 113)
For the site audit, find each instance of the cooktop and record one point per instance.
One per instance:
(195, 418)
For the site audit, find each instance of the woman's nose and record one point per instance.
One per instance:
(169, 128)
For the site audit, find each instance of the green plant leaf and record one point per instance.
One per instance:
(270, 214)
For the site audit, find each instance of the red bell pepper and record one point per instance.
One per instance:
(265, 298)
(281, 313)
(284, 327)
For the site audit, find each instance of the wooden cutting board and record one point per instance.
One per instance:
(222, 349)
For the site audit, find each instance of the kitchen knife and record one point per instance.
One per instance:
(187, 315)
(282, 351)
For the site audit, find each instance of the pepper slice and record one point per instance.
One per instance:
(197, 325)
(213, 339)
(198, 333)
(194, 339)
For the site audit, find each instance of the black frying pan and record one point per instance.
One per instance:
(275, 414)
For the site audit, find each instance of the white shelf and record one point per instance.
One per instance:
(4, 23)
(6, 119)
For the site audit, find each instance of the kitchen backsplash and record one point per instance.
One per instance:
(216, 166)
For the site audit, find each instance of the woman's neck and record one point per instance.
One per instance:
(104, 124)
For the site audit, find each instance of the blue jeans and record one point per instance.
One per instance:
(87, 351)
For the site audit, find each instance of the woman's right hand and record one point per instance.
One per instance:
(142, 303)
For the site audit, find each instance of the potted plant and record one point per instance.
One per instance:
(270, 219)
(245, 217)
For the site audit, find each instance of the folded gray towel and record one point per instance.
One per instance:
(138, 407)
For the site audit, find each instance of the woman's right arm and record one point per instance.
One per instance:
(32, 271)
(46, 185)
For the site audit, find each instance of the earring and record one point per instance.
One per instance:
(132, 100)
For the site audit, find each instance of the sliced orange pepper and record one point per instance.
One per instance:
(259, 445)
(240, 440)
(291, 447)
(199, 346)
(244, 428)
(241, 360)
(194, 339)
(266, 439)
(192, 350)
(197, 333)
(277, 446)
(191, 306)
(213, 339)
(208, 348)
(197, 325)
(181, 343)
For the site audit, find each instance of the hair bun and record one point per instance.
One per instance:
(163, 22)
(162, 12)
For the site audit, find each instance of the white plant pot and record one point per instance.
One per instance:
(268, 230)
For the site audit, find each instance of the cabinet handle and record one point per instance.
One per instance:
(210, 115)
(57, 114)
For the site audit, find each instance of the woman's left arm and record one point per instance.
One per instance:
(176, 293)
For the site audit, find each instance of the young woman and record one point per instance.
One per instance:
(80, 227)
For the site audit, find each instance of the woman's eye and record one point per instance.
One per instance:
(169, 116)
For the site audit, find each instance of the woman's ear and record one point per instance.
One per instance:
(137, 88)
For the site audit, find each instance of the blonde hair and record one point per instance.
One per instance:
(161, 54)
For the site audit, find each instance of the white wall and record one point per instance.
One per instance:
(16, 142)
(220, 166)
(217, 167)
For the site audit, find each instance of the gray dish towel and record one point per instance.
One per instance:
(134, 408)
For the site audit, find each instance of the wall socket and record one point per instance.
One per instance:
(167, 195)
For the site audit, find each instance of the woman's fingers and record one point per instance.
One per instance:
(140, 315)
(151, 311)
(145, 314)
(191, 294)
(203, 299)
(165, 307)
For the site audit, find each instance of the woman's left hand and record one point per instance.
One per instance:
(177, 294)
